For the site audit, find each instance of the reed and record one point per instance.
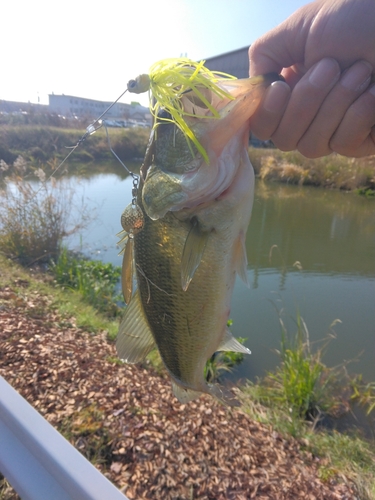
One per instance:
(333, 171)
(36, 216)
(39, 145)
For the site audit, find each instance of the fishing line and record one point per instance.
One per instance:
(134, 176)
(90, 130)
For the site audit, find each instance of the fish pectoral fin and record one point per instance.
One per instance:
(229, 343)
(241, 259)
(134, 339)
(192, 253)
(184, 395)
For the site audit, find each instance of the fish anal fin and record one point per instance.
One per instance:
(223, 394)
(184, 395)
(229, 343)
(241, 258)
(192, 253)
(134, 339)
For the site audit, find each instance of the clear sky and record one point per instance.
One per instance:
(91, 49)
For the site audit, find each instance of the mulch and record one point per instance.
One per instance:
(126, 420)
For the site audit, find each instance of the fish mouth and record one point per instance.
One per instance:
(178, 176)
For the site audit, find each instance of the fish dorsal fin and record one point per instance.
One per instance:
(229, 343)
(241, 258)
(184, 395)
(192, 254)
(134, 339)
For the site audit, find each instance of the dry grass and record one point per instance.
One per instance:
(333, 171)
(36, 216)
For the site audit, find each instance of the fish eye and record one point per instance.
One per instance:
(132, 84)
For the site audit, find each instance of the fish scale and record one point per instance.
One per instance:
(177, 318)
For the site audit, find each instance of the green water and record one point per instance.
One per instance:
(331, 237)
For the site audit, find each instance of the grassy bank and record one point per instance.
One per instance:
(268, 401)
(45, 145)
(333, 171)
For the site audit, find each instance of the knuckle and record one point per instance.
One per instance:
(342, 148)
(311, 148)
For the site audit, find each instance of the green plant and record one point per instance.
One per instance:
(301, 383)
(36, 216)
(363, 393)
(93, 279)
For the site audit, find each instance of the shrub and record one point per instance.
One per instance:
(36, 216)
(93, 279)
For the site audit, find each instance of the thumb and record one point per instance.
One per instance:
(282, 47)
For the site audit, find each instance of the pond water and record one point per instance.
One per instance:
(310, 251)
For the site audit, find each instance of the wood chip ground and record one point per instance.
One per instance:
(151, 446)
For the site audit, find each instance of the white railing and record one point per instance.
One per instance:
(38, 462)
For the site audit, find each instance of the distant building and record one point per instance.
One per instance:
(81, 107)
(234, 63)
(22, 107)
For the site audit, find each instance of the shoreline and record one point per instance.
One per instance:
(104, 395)
(43, 146)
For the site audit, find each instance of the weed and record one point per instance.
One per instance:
(35, 217)
(363, 393)
(296, 396)
(302, 385)
(85, 429)
(94, 280)
(302, 379)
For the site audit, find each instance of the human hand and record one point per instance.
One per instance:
(326, 53)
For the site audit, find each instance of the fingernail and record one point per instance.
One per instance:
(277, 93)
(357, 76)
(325, 73)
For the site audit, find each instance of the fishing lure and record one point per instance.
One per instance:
(168, 80)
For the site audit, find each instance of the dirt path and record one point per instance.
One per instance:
(126, 420)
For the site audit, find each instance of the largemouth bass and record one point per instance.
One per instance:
(190, 239)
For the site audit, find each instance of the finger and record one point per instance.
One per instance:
(266, 119)
(316, 140)
(304, 103)
(355, 135)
